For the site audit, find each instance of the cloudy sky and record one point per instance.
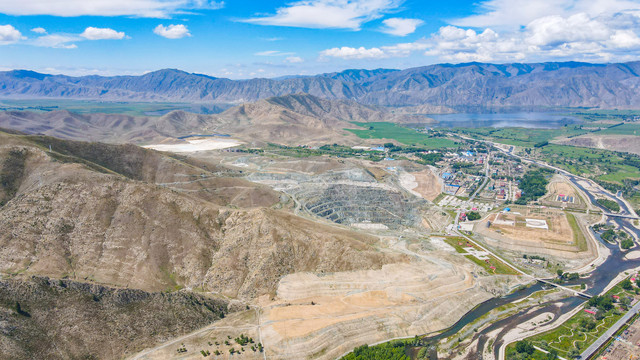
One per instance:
(245, 39)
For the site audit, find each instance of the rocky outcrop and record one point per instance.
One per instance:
(69, 220)
(64, 319)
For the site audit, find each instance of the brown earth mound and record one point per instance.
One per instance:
(67, 220)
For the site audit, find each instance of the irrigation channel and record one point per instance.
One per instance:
(597, 281)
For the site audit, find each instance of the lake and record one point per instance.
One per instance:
(529, 120)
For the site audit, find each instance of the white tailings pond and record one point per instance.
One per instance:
(197, 144)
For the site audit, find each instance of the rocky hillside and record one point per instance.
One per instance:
(289, 119)
(112, 128)
(460, 86)
(63, 319)
(83, 219)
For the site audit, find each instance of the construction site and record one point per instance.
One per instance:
(624, 346)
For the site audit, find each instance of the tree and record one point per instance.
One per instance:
(626, 284)
(533, 185)
(552, 355)
(473, 215)
(574, 353)
(524, 347)
(626, 244)
(559, 272)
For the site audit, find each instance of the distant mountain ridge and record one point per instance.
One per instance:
(553, 84)
(289, 119)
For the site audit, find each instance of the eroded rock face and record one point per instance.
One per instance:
(68, 221)
(61, 319)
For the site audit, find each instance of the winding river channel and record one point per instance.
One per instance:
(596, 281)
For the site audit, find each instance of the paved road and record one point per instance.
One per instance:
(546, 352)
(486, 177)
(609, 333)
(576, 292)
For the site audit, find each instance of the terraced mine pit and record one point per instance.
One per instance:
(351, 197)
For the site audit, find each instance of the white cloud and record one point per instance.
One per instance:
(294, 59)
(9, 34)
(172, 31)
(93, 33)
(579, 37)
(272, 53)
(140, 8)
(346, 52)
(624, 39)
(39, 30)
(400, 26)
(322, 14)
(512, 14)
(553, 30)
(58, 41)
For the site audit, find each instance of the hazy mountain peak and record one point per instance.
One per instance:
(475, 84)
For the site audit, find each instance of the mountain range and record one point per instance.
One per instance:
(289, 119)
(553, 84)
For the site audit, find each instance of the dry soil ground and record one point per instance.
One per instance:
(558, 241)
(625, 143)
(423, 183)
(627, 347)
(322, 316)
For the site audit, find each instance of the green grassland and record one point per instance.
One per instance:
(387, 130)
(578, 235)
(521, 136)
(607, 165)
(571, 333)
(501, 268)
(624, 129)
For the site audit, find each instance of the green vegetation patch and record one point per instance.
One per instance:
(387, 130)
(622, 129)
(533, 186)
(492, 265)
(578, 235)
(522, 136)
(609, 204)
(602, 165)
(392, 350)
(581, 330)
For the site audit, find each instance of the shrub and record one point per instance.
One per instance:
(524, 347)
(609, 204)
(473, 215)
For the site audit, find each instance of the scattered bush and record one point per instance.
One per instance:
(533, 186)
(524, 347)
(609, 204)
(473, 215)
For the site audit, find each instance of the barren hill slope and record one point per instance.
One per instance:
(64, 319)
(112, 128)
(107, 217)
(69, 220)
(290, 120)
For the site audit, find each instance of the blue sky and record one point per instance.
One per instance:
(246, 39)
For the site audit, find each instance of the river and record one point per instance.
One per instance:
(596, 282)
